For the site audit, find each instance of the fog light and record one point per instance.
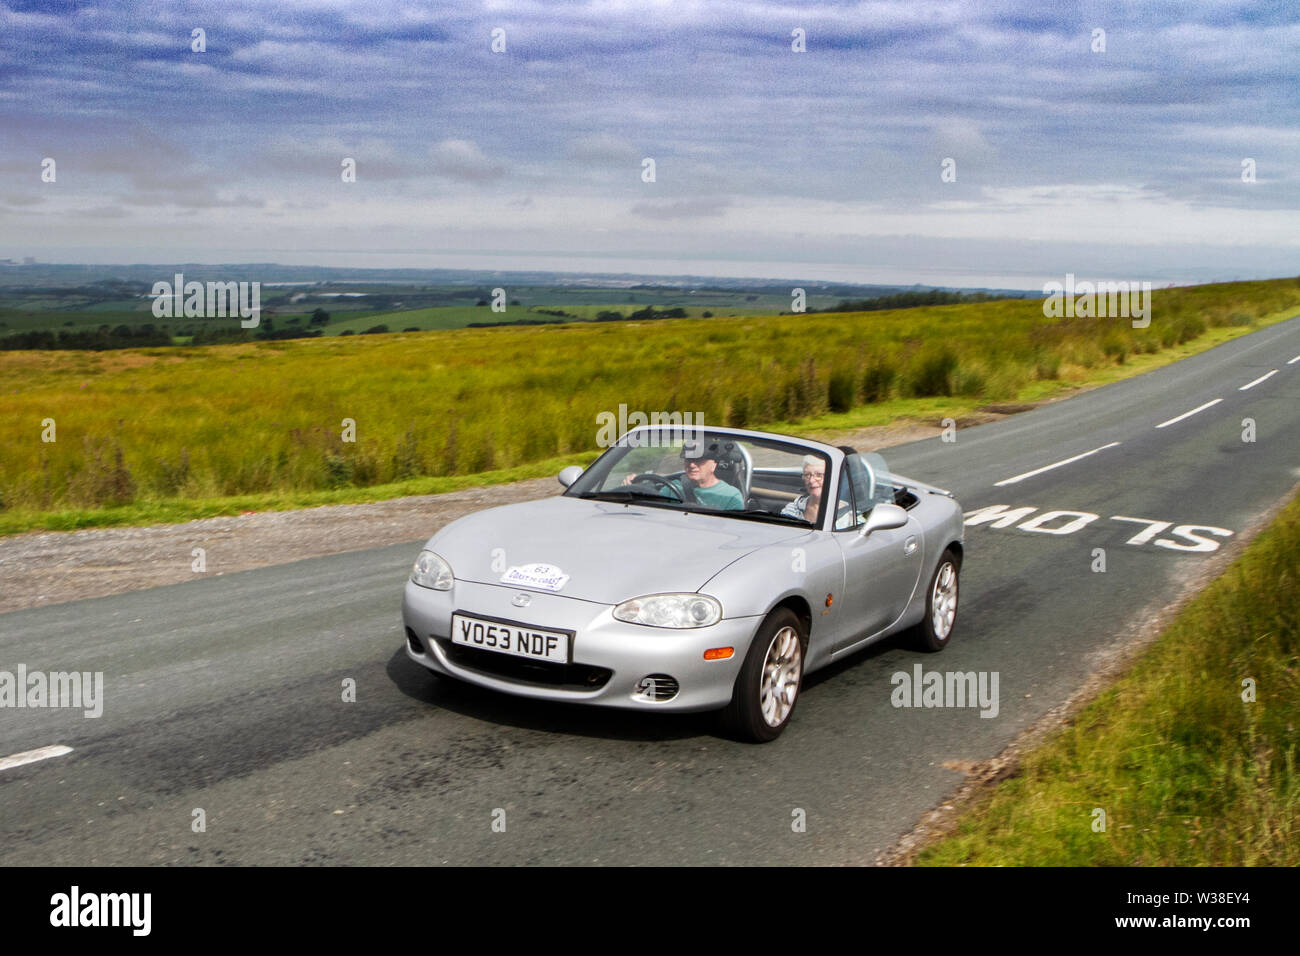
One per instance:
(657, 687)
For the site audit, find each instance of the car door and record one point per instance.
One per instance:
(880, 570)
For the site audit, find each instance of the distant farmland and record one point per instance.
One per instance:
(201, 423)
(354, 308)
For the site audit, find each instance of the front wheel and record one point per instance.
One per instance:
(769, 681)
(936, 627)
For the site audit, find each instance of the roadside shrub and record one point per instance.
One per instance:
(877, 381)
(738, 412)
(171, 478)
(1145, 344)
(1116, 348)
(103, 479)
(839, 391)
(338, 471)
(407, 460)
(969, 380)
(933, 374)
(803, 397)
(1190, 327)
(365, 467)
(451, 448)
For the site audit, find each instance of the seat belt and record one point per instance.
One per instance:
(688, 492)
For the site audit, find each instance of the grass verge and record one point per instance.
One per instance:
(174, 510)
(1187, 771)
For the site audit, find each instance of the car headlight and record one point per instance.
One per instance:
(670, 610)
(430, 571)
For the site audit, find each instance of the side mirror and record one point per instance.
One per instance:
(883, 517)
(569, 475)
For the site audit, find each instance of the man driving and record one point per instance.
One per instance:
(699, 482)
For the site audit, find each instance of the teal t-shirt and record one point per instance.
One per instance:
(720, 496)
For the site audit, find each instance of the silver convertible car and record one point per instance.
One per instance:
(689, 569)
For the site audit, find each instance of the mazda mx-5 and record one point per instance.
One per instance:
(689, 569)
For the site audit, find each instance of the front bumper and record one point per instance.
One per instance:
(613, 654)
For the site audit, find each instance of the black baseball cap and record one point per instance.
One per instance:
(698, 449)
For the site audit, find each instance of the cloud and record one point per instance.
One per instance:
(103, 212)
(604, 149)
(796, 149)
(461, 159)
(682, 209)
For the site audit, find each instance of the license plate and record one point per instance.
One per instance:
(504, 637)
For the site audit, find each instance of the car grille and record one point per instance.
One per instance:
(524, 671)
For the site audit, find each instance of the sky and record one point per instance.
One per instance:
(1118, 163)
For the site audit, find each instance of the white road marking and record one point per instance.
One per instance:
(1257, 381)
(1294, 360)
(999, 516)
(1199, 408)
(31, 756)
(1039, 471)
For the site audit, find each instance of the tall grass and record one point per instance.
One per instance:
(156, 424)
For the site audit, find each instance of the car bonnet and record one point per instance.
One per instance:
(604, 551)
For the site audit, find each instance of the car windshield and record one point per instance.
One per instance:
(699, 470)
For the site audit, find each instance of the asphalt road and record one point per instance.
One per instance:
(225, 695)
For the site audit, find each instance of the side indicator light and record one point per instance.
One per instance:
(719, 653)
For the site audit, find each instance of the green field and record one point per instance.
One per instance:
(426, 308)
(1187, 771)
(183, 427)
(458, 317)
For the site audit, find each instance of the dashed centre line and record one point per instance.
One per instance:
(1039, 471)
(1165, 424)
(1262, 378)
(1198, 408)
(32, 756)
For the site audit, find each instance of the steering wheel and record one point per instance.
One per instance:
(658, 482)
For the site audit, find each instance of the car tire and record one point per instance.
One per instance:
(935, 630)
(768, 685)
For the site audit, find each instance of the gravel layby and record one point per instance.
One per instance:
(51, 567)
